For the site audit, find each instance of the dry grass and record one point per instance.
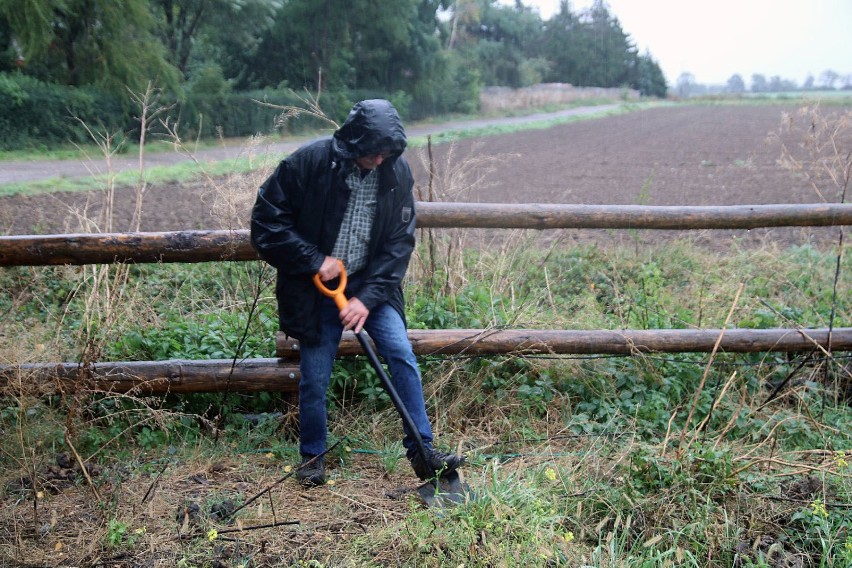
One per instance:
(166, 508)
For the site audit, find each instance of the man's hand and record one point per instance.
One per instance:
(354, 315)
(330, 269)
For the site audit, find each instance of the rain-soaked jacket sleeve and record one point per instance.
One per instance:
(273, 224)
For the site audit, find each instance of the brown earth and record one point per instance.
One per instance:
(684, 155)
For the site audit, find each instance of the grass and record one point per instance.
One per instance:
(835, 97)
(652, 460)
(822, 98)
(496, 130)
(186, 171)
(75, 151)
(575, 461)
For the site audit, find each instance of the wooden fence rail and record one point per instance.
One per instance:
(282, 375)
(252, 375)
(152, 377)
(615, 342)
(206, 246)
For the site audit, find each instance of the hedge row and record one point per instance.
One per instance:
(34, 114)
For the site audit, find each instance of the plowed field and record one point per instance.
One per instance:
(684, 155)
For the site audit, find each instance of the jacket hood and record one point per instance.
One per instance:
(372, 127)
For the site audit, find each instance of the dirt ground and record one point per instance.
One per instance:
(686, 155)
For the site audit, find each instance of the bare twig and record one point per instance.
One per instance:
(147, 103)
(717, 400)
(255, 301)
(776, 461)
(153, 483)
(239, 529)
(82, 465)
(821, 158)
(287, 476)
(291, 111)
(786, 380)
(707, 369)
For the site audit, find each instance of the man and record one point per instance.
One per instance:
(346, 197)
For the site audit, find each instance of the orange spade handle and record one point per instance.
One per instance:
(336, 294)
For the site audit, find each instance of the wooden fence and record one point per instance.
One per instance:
(282, 374)
(206, 246)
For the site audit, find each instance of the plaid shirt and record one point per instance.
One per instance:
(353, 240)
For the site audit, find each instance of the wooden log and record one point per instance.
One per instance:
(281, 375)
(555, 216)
(106, 248)
(600, 342)
(152, 377)
(206, 246)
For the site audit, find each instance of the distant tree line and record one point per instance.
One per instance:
(686, 86)
(428, 56)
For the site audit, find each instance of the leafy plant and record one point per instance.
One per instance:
(391, 454)
(116, 534)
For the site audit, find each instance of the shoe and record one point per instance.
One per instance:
(313, 474)
(442, 463)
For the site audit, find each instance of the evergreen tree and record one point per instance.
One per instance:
(650, 79)
(612, 60)
(563, 46)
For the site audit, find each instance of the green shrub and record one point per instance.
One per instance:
(33, 113)
(36, 114)
(215, 112)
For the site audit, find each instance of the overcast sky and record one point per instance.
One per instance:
(714, 39)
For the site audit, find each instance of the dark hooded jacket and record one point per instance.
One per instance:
(300, 208)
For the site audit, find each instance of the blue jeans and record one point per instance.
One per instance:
(387, 329)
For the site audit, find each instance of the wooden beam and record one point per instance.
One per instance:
(206, 246)
(152, 377)
(556, 216)
(282, 374)
(106, 248)
(601, 342)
